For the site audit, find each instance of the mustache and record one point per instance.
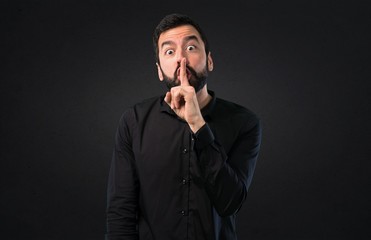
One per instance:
(197, 80)
(190, 69)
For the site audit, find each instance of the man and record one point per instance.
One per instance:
(182, 162)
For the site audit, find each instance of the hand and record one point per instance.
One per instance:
(183, 100)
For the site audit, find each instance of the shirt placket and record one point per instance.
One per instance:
(185, 178)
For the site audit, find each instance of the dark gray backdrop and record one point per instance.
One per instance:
(69, 70)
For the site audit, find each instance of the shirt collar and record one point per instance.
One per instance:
(206, 111)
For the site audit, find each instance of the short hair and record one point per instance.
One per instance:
(172, 21)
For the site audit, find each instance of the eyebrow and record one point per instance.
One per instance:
(187, 39)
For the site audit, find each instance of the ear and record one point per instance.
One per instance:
(210, 63)
(159, 72)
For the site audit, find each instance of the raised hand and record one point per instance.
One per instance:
(183, 100)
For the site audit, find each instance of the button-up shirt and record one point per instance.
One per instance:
(168, 183)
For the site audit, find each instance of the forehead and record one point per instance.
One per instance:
(178, 34)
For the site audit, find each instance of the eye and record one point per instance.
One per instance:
(169, 52)
(191, 48)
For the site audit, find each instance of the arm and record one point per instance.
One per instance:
(123, 186)
(228, 177)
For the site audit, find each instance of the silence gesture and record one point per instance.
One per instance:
(183, 100)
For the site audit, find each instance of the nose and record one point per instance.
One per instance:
(180, 55)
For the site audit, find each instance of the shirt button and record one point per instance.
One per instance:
(184, 181)
(185, 150)
(183, 212)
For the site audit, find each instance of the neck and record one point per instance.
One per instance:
(203, 97)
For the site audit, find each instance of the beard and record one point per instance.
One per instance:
(197, 80)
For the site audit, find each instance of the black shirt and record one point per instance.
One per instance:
(167, 183)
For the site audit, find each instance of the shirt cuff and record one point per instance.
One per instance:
(204, 136)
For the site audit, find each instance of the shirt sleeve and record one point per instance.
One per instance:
(122, 190)
(227, 176)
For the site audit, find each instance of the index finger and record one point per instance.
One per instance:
(183, 73)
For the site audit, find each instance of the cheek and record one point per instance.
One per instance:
(200, 63)
(168, 68)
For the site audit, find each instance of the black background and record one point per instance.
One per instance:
(70, 68)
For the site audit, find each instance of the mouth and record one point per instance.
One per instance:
(188, 73)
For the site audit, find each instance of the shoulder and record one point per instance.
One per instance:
(140, 109)
(144, 105)
(231, 122)
(234, 113)
(147, 104)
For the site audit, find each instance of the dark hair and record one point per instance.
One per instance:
(172, 21)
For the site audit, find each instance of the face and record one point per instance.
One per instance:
(176, 44)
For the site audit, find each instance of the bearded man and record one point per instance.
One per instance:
(183, 162)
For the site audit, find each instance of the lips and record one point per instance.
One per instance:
(188, 73)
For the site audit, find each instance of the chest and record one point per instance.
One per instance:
(162, 147)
